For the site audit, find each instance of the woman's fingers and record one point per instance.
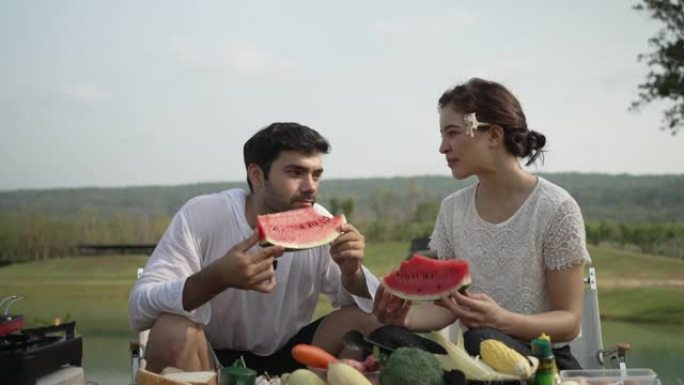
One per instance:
(388, 308)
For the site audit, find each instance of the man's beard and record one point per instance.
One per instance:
(274, 204)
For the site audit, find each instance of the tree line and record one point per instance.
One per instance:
(643, 212)
(36, 236)
(32, 236)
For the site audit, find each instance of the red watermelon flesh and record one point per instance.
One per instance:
(298, 229)
(425, 279)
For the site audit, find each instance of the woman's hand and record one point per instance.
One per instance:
(475, 309)
(390, 309)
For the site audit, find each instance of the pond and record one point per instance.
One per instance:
(659, 347)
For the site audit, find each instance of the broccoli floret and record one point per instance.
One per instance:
(411, 366)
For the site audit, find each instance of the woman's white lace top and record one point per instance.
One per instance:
(508, 260)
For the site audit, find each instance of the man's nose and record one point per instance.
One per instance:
(309, 183)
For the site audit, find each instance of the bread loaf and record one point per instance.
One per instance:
(194, 378)
(145, 377)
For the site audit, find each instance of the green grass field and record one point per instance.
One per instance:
(94, 290)
(638, 287)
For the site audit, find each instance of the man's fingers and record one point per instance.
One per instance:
(349, 232)
(266, 286)
(248, 243)
(347, 227)
(355, 245)
(267, 252)
(263, 265)
(264, 275)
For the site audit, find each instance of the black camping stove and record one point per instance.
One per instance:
(33, 353)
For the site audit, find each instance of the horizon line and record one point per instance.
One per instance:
(163, 185)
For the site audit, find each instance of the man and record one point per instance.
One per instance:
(209, 287)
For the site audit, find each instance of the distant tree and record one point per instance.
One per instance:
(426, 212)
(665, 81)
(348, 207)
(335, 206)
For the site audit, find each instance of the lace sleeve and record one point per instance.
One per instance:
(564, 240)
(439, 240)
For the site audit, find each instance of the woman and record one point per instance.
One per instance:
(522, 236)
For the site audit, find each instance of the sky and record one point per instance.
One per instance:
(125, 93)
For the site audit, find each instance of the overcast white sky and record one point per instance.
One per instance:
(120, 93)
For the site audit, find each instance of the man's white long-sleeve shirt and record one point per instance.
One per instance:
(204, 230)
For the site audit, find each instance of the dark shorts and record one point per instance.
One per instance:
(473, 337)
(279, 362)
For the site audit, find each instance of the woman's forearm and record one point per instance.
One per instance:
(560, 325)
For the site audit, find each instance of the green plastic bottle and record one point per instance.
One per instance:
(547, 373)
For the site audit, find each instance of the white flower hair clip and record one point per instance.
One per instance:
(471, 123)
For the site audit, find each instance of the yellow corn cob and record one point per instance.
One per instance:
(504, 359)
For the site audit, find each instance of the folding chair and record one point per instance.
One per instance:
(137, 348)
(588, 346)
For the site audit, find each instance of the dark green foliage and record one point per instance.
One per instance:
(36, 224)
(153, 200)
(665, 80)
(411, 366)
(652, 238)
(348, 207)
(342, 206)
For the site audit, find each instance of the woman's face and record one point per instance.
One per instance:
(464, 154)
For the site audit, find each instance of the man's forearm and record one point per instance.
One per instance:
(356, 284)
(199, 288)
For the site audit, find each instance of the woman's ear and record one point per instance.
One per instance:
(255, 175)
(496, 135)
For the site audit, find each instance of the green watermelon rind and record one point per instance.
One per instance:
(418, 263)
(269, 240)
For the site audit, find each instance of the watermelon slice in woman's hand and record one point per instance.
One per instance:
(425, 279)
(298, 229)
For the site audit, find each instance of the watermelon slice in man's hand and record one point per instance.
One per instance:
(298, 229)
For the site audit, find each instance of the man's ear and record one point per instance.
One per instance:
(496, 135)
(255, 175)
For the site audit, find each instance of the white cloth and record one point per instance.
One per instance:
(203, 231)
(508, 260)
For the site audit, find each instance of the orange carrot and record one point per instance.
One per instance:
(313, 356)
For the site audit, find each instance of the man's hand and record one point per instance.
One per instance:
(249, 271)
(238, 269)
(348, 250)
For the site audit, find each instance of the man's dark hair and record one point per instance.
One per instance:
(265, 146)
